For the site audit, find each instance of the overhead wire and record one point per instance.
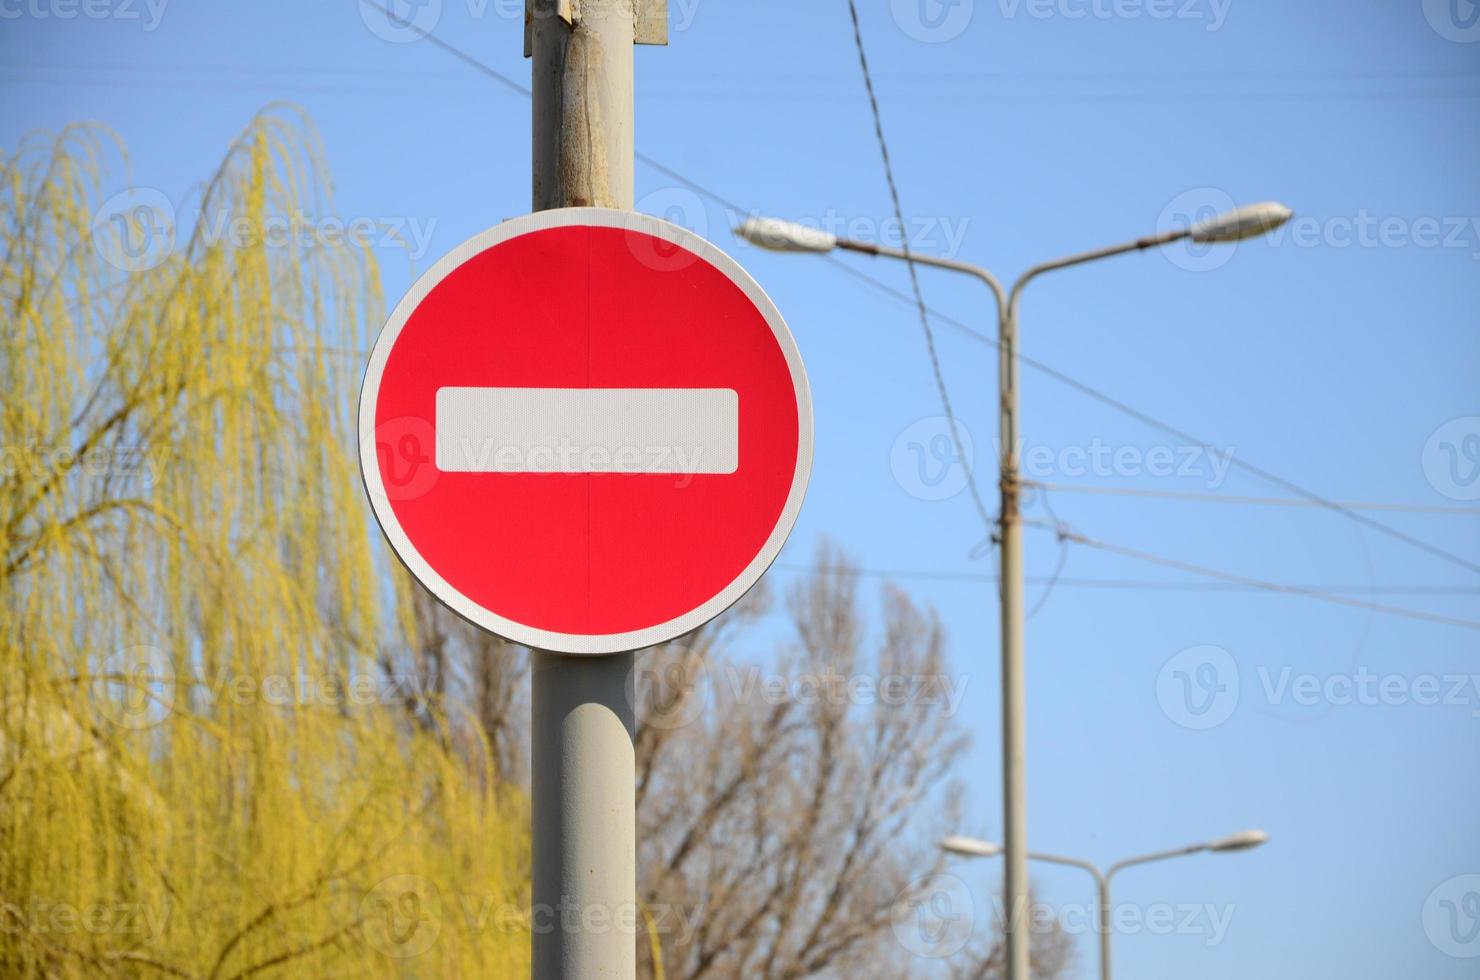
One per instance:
(917, 300)
(1257, 583)
(937, 372)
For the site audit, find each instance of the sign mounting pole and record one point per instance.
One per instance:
(588, 431)
(583, 768)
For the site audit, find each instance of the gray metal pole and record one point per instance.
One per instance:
(1102, 882)
(585, 915)
(1105, 965)
(1010, 529)
(1014, 616)
(1102, 914)
(1014, 698)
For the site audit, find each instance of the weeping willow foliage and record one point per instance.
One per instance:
(204, 771)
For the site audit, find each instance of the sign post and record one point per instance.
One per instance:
(588, 431)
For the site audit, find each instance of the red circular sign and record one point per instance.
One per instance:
(588, 431)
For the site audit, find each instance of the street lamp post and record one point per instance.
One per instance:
(1242, 841)
(785, 236)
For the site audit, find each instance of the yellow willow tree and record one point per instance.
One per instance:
(204, 769)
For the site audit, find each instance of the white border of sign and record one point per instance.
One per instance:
(574, 643)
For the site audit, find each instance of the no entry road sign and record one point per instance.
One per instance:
(585, 430)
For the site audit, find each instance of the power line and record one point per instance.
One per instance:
(977, 335)
(1262, 473)
(456, 52)
(1149, 420)
(248, 86)
(1058, 567)
(746, 86)
(1219, 498)
(750, 78)
(741, 95)
(940, 380)
(1128, 585)
(1259, 584)
(1063, 532)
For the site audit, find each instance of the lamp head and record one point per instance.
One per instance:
(970, 847)
(1244, 840)
(1250, 221)
(785, 236)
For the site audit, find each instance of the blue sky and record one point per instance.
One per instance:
(1021, 130)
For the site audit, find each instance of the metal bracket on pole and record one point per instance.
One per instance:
(652, 21)
(567, 10)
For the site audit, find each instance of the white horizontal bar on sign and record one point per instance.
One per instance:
(588, 430)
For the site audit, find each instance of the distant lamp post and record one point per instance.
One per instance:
(785, 236)
(1244, 840)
